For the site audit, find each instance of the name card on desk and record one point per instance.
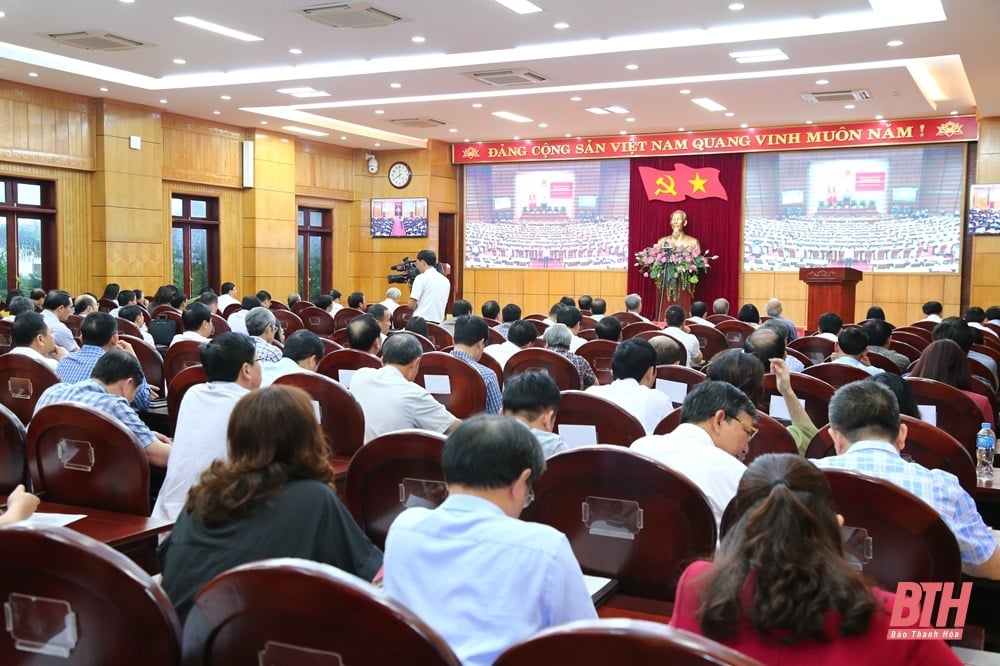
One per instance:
(928, 413)
(676, 391)
(345, 376)
(317, 410)
(576, 436)
(779, 410)
(439, 384)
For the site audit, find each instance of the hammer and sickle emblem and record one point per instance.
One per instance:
(664, 188)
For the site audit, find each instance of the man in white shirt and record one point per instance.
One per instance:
(302, 353)
(717, 424)
(230, 364)
(33, 338)
(829, 325)
(571, 318)
(58, 306)
(533, 398)
(698, 311)
(391, 301)
(228, 296)
(852, 349)
(633, 368)
(520, 335)
(675, 329)
(932, 311)
(197, 320)
(976, 317)
(389, 397)
(633, 303)
(430, 290)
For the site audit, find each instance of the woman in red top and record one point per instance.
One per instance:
(780, 590)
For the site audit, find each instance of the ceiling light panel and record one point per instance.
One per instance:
(218, 29)
(507, 115)
(708, 104)
(519, 6)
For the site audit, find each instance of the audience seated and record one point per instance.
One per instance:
(31, 336)
(944, 361)
(828, 326)
(852, 350)
(200, 435)
(525, 574)
(273, 497)
(510, 313)
(720, 306)
(633, 367)
(598, 308)
(533, 398)
(237, 320)
(392, 385)
(197, 320)
(521, 334)
(364, 334)
(717, 424)
(570, 317)
(875, 312)
(134, 314)
(58, 306)
(633, 305)
(417, 325)
(780, 589)
(227, 296)
(262, 327)
(868, 436)
(773, 309)
(679, 331)
(471, 336)
(957, 329)
(668, 350)
(391, 302)
(932, 311)
(878, 331)
(558, 338)
(608, 328)
(749, 314)
(976, 317)
(698, 311)
(302, 352)
(459, 308)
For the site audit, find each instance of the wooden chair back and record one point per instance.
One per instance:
(496, 338)
(343, 363)
(178, 386)
(717, 318)
(219, 326)
(392, 473)
(677, 380)
(106, 304)
(126, 327)
(340, 414)
(633, 329)
(815, 392)
(924, 324)
(957, 414)
(400, 316)
(909, 351)
(288, 320)
(22, 382)
(587, 323)
(711, 340)
(277, 305)
(627, 318)
(621, 496)
(611, 424)
(736, 332)
(81, 456)
(180, 355)
(467, 394)
(13, 452)
(53, 578)
(343, 317)
(560, 368)
(606, 641)
(539, 324)
(73, 323)
(317, 320)
(300, 306)
(439, 335)
(329, 346)
(150, 360)
(231, 309)
(772, 436)
(919, 331)
(494, 365)
(6, 340)
(816, 348)
(910, 338)
(883, 363)
(836, 374)
(803, 359)
(598, 354)
(321, 616)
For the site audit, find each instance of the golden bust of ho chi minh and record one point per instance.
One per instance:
(678, 220)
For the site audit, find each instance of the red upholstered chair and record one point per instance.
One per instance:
(805, 360)
(491, 322)
(400, 316)
(81, 456)
(836, 374)
(668, 423)
(922, 333)
(300, 306)
(106, 304)
(816, 348)
(343, 363)
(957, 414)
(425, 343)
(340, 415)
(317, 320)
(633, 329)
(343, 317)
(494, 365)
(648, 335)
(678, 374)
(710, 340)
(611, 423)
(467, 394)
(230, 309)
(219, 326)
(925, 444)
(73, 323)
(125, 327)
(180, 355)
(910, 338)
(909, 351)
(560, 368)
(587, 323)
(161, 309)
(772, 436)
(178, 386)
(13, 455)
(618, 640)
(598, 354)
(815, 392)
(439, 335)
(883, 363)
(391, 473)
(909, 540)
(321, 616)
(6, 342)
(22, 382)
(329, 346)
(716, 318)
(736, 332)
(278, 305)
(54, 578)
(150, 360)
(627, 318)
(288, 320)
(926, 325)
(641, 522)
(496, 338)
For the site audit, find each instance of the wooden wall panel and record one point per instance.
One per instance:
(984, 268)
(45, 128)
(197, 151)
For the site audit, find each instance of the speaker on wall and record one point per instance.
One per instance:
(248, 164)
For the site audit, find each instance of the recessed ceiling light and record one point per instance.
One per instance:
(684, 91)
(468, 140)
(263, 122)
(217, 113)
(822, 82)
(395, 85)
(708, 104)
(543, 125)
(453, 130)
(744, 125)
(2, 15)
(621, 110)
(735, 6)
(598, 110)
(218, 29)
(180, 61)
(848, 106)
(104, 89)
(507, 115)
(520, 6)
(729, 114)
(567, 135)
(680, 129)
(33, 74)
(295, 51)
(303, 92)
(630, 119)
(225, 97)
(758, 55)
(954, 113)
(562, 25)
(163, 101)
(343, 138)
(378, 145)
(417, 39)
(126, 2)
(809, 122)
(879, 117)
(477, 105)
(622, 132)
(517, 138)
(894, 42)
(575, 99)
(632, 66)
(379, 112)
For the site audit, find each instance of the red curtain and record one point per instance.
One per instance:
(716, 223)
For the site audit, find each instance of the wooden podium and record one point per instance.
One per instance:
(831, 290)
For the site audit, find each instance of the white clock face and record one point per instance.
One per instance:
(399, 174)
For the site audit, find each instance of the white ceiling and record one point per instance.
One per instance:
(676, 45)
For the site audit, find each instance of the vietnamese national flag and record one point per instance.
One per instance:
(681, 183)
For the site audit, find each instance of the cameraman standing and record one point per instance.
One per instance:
(430, 290)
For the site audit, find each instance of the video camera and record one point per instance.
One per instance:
(406, 272)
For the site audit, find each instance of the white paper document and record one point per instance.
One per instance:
(576, 436)
(52, 519)
(437, 384)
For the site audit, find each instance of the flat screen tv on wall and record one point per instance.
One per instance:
(399, 218)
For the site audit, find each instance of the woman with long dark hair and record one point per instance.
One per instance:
(944, 361)
(273, 497)
(780, 589)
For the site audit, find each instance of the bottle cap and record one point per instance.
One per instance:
(984, 425)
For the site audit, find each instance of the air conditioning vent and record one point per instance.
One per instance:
(96, 40)
(837, 96)
(508, 77)
(423, 122)
(350, 15)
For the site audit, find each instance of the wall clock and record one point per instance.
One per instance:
(400, 174)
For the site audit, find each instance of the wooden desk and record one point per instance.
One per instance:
(131, 535)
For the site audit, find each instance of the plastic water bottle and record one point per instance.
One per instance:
(986, 442)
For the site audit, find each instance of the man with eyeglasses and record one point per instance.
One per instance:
(717, 423)
(477, 575)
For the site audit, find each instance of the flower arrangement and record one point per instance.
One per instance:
(673, 268)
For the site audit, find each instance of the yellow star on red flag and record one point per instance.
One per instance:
(697, 183)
